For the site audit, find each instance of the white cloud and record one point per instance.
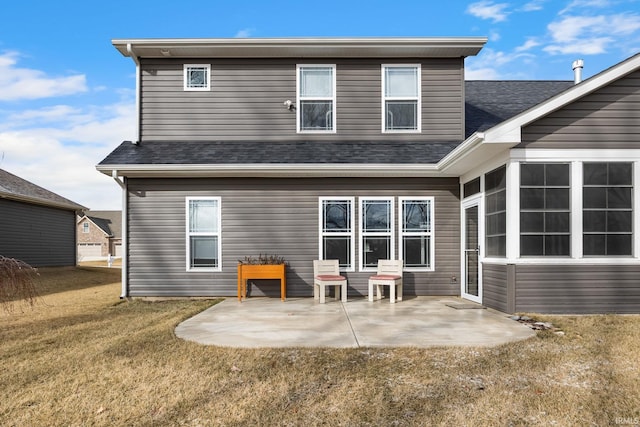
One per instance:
(584, 4)
(590, 34)
(61, 148)
(528, 45)
(24, 83)
(487, 9)
(491, 65)
(244, 33)
(533, 6)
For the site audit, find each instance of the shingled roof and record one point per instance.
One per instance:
(487, 103)
(108, 221)
(16, 188)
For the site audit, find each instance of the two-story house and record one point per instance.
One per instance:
(518, 195)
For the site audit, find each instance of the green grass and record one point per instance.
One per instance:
(82, 356)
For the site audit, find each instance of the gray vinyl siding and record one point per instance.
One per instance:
(580, 289)
(270, 216)
(247, 96)
(494, 286)
(606, 118)
(41, 236)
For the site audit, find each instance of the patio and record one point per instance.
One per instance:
(302, 322)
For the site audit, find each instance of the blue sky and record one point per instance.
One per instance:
(67, 96)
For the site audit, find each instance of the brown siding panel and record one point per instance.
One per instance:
(606, 118)
(246, 101)
(275, 216)
(580, 289)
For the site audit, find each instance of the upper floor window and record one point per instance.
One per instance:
(85, 227)
(316, 98)
(203, 233)
(401, 98)
(197, 76)
(337, 230)
(545, 209)
(607, 215)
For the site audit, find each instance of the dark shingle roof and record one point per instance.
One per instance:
(14, 187)
(109, 221)
(301, 152)
(489, 102)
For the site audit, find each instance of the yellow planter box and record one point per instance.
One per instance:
(261, 271)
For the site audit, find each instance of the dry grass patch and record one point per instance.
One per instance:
(86, 358)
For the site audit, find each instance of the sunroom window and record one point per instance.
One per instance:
(544, 209)
(495, 201)
(376, 225)
(607, 209)
(316, 98)
(337, 230)
(401, 98)
(203, 234)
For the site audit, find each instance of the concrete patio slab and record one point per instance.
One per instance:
(303, 322)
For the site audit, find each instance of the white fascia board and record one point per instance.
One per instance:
(510, 130)
(277, 170)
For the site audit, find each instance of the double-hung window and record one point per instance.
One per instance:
(376, 230)
(85, 227)
(545, 209)
(416, 232)
(197, 77)
(401, 98)
(316, 86)
(203, 233)
(337, 230)
(607, 215)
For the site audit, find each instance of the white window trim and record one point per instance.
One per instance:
(384, 99)
(196, 89)
(391, 233)
(333, 99)
(188, 234)
(351, 234)
(85, 227)
(431, 233)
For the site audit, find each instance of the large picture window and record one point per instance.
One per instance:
(416, 232)
(545, 209)
(203, 234)
(337, 230)
(496, 212)
(316, 98)
(401, 98)
(607, 214)
(376, 225)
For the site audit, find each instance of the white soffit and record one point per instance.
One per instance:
(417, 47)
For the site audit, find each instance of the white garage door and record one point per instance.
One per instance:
(118, 248)
(89, 250)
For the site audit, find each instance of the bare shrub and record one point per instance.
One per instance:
(16, 283)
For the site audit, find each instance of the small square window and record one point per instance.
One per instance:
(197, 76)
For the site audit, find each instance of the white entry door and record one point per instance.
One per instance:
(471, 283)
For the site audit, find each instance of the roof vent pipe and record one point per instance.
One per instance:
(577, 65)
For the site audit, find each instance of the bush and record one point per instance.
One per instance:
(16, 283)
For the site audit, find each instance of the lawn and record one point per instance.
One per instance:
(82, 356)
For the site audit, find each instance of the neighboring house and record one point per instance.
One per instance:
(520, 195)
(99, 235)
(36, 225)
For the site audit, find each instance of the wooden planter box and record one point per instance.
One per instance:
(261, 271)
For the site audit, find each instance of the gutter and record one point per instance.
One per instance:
(135, 59)
(125, 283)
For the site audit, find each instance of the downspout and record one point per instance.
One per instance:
(125, 283)
(138, 89)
